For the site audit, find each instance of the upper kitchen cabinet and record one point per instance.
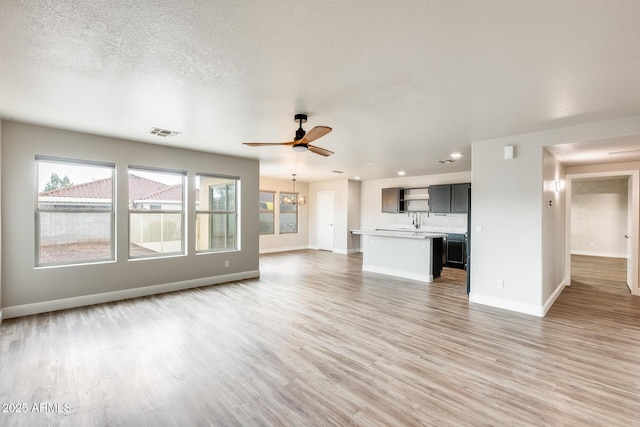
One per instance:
(393, 200)
(450, 198)
(460, 198)
(440, 198)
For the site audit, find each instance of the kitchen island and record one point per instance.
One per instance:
(410, 254)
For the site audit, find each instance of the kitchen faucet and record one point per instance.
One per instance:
(416, 219)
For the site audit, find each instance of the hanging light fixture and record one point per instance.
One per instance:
(293, 198)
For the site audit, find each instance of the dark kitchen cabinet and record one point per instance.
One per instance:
(439, 198)
(450, 198)
(460, 198)
(393, 200)
(456, 253)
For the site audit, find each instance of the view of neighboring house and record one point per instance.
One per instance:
(149, 233)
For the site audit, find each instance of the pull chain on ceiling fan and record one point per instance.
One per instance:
(302, 138)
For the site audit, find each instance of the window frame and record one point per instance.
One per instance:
(280, 212)
(236, 211)
(38, 211)
(183, 224)
(271, 211)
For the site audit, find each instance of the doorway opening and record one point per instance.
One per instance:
(602, 231)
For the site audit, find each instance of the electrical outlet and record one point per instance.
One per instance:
(226, 263)
(500, 284)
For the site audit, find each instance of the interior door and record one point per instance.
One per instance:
(324, 221)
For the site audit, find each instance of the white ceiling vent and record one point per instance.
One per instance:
(163, 132)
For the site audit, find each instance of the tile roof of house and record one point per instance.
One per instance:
(98, 189)
(139, 189)
(170, 192)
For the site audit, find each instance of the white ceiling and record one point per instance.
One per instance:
(403, 84)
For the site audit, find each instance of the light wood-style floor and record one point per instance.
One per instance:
(315, 341)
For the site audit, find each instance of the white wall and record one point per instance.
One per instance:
(1, 314)
(599, 210)
(508, 203)
(371, 208)
(289, 241)
(553, 229)
(22, 284)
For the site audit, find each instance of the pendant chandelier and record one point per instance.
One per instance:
(294, 198)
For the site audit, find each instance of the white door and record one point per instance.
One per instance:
(324, 218)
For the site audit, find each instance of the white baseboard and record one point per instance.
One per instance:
(596, 253)
(283, 249)
(427, 278)
(553, 297)
(65, 303)
(534, 310)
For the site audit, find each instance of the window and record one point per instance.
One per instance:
(75, 216)
(288, 213)
(267, 199)
(156, 213)
(216, 213)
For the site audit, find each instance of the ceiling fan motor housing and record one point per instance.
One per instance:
(300, 133)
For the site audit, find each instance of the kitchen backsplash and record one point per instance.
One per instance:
(451, 223)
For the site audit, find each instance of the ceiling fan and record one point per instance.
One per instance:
(302, 139)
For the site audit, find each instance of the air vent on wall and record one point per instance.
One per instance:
(163, 132)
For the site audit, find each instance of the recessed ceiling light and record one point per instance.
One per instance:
(356, 178)
(401, 173)
(456, 155)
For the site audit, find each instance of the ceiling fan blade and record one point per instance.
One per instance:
(318, 150)
(316, 133)
(258, 144)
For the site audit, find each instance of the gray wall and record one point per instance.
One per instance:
(24, 284)
(599, 216)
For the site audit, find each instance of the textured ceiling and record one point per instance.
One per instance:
(403, 84)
